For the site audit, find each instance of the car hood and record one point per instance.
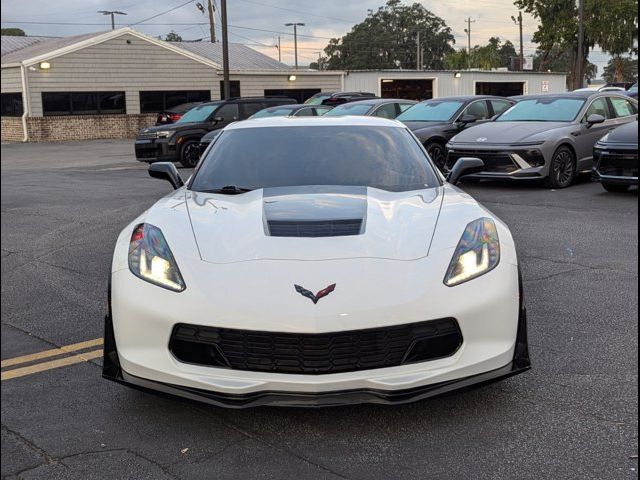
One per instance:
(169, 127)
(418, 126)
(507, 132)
(255, 225)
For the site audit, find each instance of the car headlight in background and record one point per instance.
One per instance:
(165, 134)
(478, 252)
(150, 258)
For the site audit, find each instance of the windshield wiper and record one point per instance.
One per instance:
(230, 190)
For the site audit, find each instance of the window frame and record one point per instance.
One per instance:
(12, 100)
(166, 93)
(97, 97)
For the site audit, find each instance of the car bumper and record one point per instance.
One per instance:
(503, 162)
(153, 150)
(615, 165)
(494, 347)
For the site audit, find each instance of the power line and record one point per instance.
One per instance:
(163, 13)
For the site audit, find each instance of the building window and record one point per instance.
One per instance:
(234, 89)
(12, 105)
(161, 101)
(83, 103)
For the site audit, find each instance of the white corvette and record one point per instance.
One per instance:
(314, 262)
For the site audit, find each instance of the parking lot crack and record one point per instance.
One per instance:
(583, 266)
(29, 444)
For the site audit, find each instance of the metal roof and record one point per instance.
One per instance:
(241, 57)
(41, 47)
(12, 43)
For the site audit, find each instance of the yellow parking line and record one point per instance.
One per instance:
(41, 367)
(50, 353)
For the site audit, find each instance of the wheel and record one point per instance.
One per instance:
(438, 154)
(615, 188)
(190, 154)
(562, 171)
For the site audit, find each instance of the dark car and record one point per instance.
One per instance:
(633, 91)
(179, 142)
(174, 114)
(616, 159)
(375, 107)
(338, 98)
(295, 110)
(436, 121)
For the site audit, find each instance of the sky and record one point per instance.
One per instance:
(258, 23)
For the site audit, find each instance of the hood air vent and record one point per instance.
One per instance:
(315, 229)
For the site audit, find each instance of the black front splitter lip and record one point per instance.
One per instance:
(325, 399)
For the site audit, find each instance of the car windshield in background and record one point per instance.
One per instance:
(433, 111)
(543, 110)
(273, 112)
(317, 100)
(252, 158)
(198, 114)
(349, 109)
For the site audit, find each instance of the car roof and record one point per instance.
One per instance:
(346, 121)
(465, 98)
(377, 101)
(584, 94)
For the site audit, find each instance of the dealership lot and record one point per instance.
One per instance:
(573, 416)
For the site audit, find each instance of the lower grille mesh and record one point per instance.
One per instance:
(314, 354)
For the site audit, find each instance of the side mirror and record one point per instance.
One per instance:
(465, 166)
(594, 119)
(467, 119)
(218, 119)
(166, 171)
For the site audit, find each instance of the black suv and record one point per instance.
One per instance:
(338, 98)
(179, 142)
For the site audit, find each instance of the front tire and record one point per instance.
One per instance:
(438, 154)
(562, 171)
(190, 154)
(615, 188)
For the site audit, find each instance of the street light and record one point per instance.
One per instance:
(295, 37)
(112, 13)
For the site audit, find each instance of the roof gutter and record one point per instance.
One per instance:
(26, 107)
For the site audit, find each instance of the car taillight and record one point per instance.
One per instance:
(175, 117)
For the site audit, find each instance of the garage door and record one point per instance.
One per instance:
(406, 89)
(500, 89)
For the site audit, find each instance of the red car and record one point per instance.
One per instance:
(175, 113)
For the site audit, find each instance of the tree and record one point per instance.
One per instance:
(386, 39)
(629, 70)
(561, 59)
(13, 32)
(612, 25)
(172, 37)
(487, 57)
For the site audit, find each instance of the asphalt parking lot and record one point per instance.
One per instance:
(575, 415)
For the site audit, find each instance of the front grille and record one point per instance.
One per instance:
(315, 229)
(147, 135)
(494, 160)
(315, 354)
(617, 164)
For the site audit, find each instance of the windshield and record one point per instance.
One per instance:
(388, 158)
(199, 114)
(543, 110)
(273, 112)
(431, 111)
(317, 99)
(349, 109)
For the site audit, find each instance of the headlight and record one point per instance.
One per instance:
(478, 252)
(150, 258)
(165, 134)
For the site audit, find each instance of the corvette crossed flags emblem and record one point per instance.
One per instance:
(315, 298)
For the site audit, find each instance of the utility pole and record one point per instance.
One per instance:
(418, 52)
(468, 32)
(279, 47)
(225, 50)
(579, 74)
(518, 21)
(295, 37)
(113, 13)
(212, 21)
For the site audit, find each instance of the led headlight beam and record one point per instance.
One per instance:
(477, 253)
